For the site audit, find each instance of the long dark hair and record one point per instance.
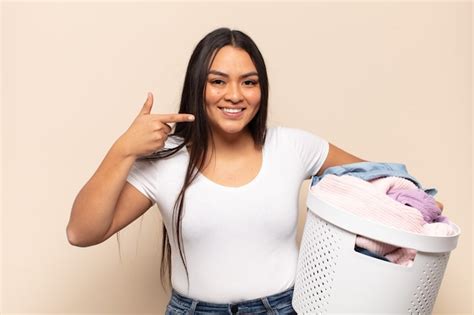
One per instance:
(197, 135)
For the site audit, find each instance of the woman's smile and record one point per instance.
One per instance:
(232, 113)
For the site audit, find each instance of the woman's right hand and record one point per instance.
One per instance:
(148, 132)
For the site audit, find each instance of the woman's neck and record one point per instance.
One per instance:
(230, 144)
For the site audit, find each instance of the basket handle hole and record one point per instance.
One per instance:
(392, 254)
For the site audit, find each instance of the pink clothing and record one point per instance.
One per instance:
(375, 247)
(438, 229)
(402, 256)
(370, 200)
(404, 190)
(387, 184)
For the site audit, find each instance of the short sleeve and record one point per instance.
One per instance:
(141, 177)
(311, 150)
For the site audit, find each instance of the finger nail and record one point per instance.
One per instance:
(191, 117)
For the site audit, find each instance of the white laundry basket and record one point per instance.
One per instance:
(333, 278)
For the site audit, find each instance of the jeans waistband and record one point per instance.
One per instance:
(267, 301)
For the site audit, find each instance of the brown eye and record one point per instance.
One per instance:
(217, 82)
(250, 82)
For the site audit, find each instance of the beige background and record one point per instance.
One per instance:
(385, 81)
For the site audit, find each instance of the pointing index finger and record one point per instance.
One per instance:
(170, 118)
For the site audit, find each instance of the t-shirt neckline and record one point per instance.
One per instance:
(244, 186)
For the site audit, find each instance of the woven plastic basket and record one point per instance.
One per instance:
(333, 278)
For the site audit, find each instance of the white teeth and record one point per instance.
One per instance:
(232, 110)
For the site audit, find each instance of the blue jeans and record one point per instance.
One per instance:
(279, 303)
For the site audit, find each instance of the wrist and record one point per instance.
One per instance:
(122, 149)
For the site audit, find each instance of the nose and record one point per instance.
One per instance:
(233, 93)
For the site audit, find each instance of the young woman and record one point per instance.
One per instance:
(226, 186)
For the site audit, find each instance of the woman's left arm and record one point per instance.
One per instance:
(337, 156)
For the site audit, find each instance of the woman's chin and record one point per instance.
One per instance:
(226, 129)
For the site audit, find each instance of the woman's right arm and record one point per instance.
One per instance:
(105, 194)
(107, 202)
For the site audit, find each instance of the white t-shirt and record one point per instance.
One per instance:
(240, 242)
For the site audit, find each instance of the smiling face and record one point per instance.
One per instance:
(232, 93)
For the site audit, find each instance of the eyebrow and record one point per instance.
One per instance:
(226, 75)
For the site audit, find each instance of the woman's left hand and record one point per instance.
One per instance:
(439, 204)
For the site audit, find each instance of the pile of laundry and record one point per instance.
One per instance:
(387, 194)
